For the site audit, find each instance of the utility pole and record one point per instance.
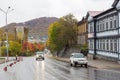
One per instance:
(0, 48)
(6, 14)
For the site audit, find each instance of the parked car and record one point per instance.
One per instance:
(78, 59)
(39, 55)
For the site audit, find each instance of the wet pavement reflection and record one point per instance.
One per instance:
(48, 69)
(40, 71)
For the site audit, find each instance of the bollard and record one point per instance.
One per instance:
(21, 59)
(14, 62)
(5, 69)
(11, 64)
(18, 60)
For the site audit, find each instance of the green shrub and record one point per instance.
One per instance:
(84, 49)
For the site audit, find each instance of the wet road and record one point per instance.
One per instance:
(49, 69)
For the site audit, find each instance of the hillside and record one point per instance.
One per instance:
(37, 27)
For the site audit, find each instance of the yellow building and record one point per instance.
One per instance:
(82, 32)
(21, 34)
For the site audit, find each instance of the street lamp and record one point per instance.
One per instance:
(7, 45)
(0, 49)
(6, 14)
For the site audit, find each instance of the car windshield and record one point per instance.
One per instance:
(78, 56)
(39, 52)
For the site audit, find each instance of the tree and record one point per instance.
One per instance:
(15, 48)
(55, 41)
(69, 29)
(3, 51)
(62, 33)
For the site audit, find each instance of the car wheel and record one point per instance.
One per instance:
(86, 65)
(71, 64)
(81, 65)
(75, 64)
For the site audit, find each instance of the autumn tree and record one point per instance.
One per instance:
(14, 48)
(62, 33)
(69, 29)
(55, 41)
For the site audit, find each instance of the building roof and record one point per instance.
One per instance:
(115, 3)
(105, 12)
(94, 13)
(82, 21)
(109, 10)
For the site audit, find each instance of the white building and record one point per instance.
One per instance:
(104, 33)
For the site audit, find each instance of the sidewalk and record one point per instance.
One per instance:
(4, 60)
(99, 64)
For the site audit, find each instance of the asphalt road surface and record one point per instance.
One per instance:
(49, 69)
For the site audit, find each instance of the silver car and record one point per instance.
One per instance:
(78, 59)
(40, 55)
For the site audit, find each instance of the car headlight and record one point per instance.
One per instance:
(37, 55)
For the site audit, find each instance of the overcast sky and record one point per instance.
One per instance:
(29, 9)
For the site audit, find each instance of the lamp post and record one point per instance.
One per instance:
(0, 49)
(6, 14)
(7, 45)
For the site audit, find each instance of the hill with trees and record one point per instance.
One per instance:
(37, 27)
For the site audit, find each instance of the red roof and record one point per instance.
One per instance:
(94, 13)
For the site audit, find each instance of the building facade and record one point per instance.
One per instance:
(91, 33)
(21, 34)
(104, 33)
(82, 32)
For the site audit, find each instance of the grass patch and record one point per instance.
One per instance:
(2, 58)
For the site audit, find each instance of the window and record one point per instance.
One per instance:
(103, 26)
(100, 27)
(91, 44)
(110, 24)
(100, 44)
(107, 44)
(97, 29)
(97, 44)
(106, 25)
(103, 44)
(115, 45)
(91, 29)
(111, 45)
(115, 25)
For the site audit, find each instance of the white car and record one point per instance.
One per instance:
(78, 59)
(40, 55)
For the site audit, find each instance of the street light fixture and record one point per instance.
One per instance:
(6, 14)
